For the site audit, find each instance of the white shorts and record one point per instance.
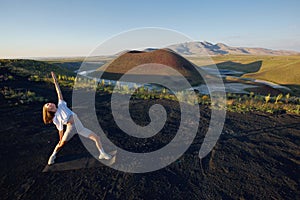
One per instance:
(74, 128)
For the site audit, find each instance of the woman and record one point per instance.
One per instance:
(62, 115)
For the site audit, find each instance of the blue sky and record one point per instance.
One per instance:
(74, 28)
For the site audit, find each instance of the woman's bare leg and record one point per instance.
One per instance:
(97, 141)
(55, 151)
(68, 134)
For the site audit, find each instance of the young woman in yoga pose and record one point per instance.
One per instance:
(61, 115)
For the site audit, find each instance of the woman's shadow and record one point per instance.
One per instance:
(79, 161)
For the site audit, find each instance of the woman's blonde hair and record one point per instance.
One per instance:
(47, 115)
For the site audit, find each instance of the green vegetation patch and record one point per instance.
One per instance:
(37, 70)
(20, 96)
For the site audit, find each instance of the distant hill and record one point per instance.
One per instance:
(26, 68)
(128, 60)
(204, 48)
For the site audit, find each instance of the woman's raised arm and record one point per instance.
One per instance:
(59, 94)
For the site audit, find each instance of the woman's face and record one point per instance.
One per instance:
(50, 107)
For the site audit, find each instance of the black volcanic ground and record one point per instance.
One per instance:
(256, 157)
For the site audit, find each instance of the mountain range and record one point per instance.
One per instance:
(204, 48)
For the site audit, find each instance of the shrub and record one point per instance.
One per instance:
(267, 98)
(278, 98)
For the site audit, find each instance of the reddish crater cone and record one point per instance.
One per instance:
(131, 59)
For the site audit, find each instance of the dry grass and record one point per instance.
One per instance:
(277, 69)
